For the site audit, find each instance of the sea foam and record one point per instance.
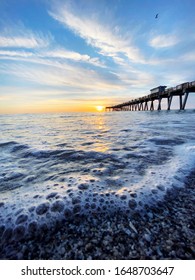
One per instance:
(113, 163)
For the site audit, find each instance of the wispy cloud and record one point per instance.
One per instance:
(108, 40)
(31, 41)
(43, 57)
(62, 75)
(71, 55)
(19, 42)
(17, 54)
(164, 41)
(190, 56)
(16, 35)
(37, 48)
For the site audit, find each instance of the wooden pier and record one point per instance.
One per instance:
(157, 94)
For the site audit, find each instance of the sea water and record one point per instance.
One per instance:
(56, 166)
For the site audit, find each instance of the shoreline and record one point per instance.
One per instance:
(164, 231)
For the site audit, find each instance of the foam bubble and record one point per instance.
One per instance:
(51, 195)
(67, 213)
(42, 208)
(32, 227)
(132, 204)
(21, 219)
(83, 186)
(77, 209)
(57, 206)
(19, 232)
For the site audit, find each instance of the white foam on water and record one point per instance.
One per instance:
(47, 204)
(121, 172)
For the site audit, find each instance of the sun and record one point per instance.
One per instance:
(99, 108)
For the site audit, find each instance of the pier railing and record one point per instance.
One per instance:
(147, 102)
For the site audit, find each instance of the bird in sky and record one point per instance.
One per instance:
(156, 16)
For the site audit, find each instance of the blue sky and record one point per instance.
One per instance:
(73, 55)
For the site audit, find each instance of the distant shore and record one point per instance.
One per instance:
(166, 231)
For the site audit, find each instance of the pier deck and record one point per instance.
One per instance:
(158, 93)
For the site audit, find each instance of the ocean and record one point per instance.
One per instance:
(54, 167)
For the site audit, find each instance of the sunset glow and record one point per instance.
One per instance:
(99, 108)
(65, 56)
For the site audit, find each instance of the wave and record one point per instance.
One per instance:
(51, 174)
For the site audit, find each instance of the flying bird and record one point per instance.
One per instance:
(156, 16)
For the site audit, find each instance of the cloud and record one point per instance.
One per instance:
(164, 41)
(136, 79)
(16, 35)
(42, 56)
(31, 41)
(108, 40)
(34, 59)
(190, 56)
(71, 55)
(17, 54)
(47, 57)
(62, 75)
(18, 42)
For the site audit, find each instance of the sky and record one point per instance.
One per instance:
(74, 55)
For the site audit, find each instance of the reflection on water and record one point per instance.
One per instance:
(102, 128)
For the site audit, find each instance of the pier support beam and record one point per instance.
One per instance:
(180, 102)
(152, 106)
(140, 106)
(146, 106)
(159, 104)
(185, 100)
(169, 100)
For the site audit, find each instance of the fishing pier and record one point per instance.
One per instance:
(157, 94)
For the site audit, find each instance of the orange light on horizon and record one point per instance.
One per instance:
(99, 108)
